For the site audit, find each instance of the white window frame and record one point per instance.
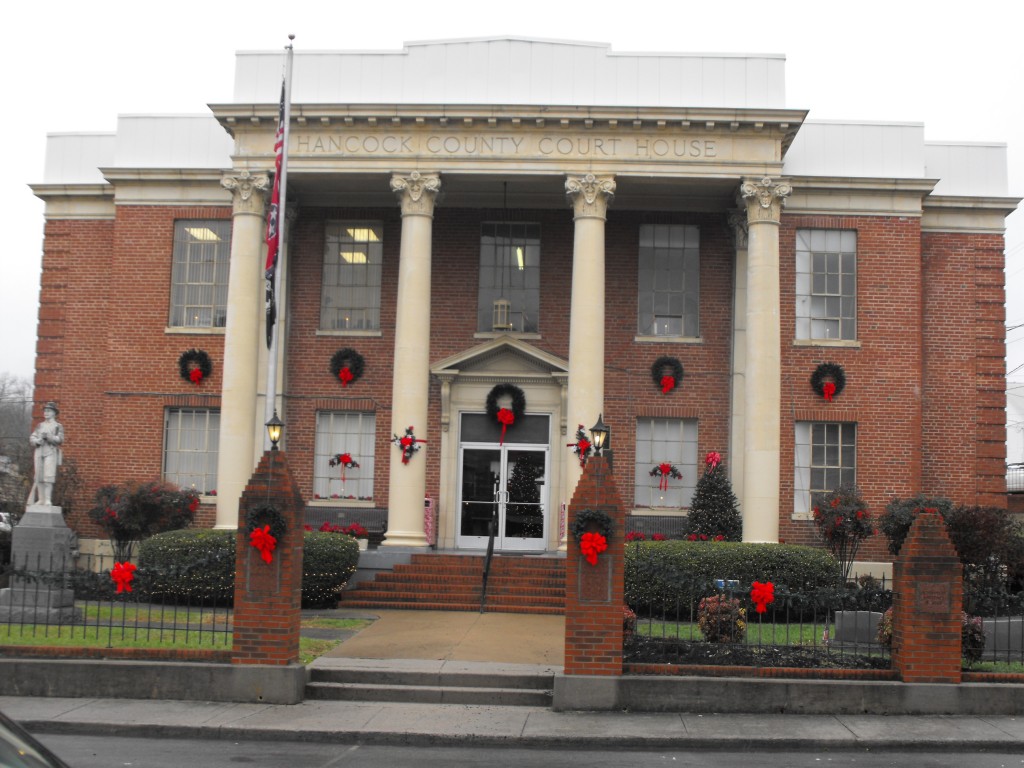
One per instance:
(668, 281)
(824, 457)
(199, 273)
(665, 440)
(510, 254)
(350, 285)
(826, 284)
(191, 441)
(352, 432)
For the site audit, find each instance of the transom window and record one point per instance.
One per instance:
(339, 433)
(509, 291)
(199, 274)
(191, 437)
(660, 441)
(669, 280)
(826, 284)
(826, 457)
(350, 292)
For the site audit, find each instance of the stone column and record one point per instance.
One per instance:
(407, 483)
(738, 407)
(763, 200)
(236, 452)
(589, 196)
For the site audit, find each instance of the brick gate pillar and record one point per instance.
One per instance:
(927, 602)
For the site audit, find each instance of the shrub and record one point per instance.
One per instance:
(721, 619)
(664, 575)
(843, 521)
(328, 562)
(135, 511)
(714, 510)
(900, 513)
(972, 635)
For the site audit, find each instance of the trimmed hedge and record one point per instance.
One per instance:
(664, 574)
(198, 565)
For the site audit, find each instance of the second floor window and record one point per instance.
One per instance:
(199, 274)
(509, 291)
(826, 284)
(350, 292)
(669, 280)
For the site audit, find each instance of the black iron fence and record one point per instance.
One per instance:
(93, 601)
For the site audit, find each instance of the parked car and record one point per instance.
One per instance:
(19, 749)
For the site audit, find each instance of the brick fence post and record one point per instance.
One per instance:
(927, 602)
(268, 596)
(594, 593)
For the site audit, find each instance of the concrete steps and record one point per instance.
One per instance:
(453, 583)
(520, 689)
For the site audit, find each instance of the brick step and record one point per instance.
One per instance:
(525, 599)
(469, 570)
(497, 564)
(463, 589)
(475, 579)
(472, 606)
(509, 697)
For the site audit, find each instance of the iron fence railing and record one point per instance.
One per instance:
(75, 602)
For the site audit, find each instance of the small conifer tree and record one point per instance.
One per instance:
(714, 510)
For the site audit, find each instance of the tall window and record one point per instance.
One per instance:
(199, 274)
(826, 284)
(826, 457)
(661, 441)
(190, 448)
(669, 280)
(509, 294)
(338, 433)
(350, 294)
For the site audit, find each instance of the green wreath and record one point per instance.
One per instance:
(503, 390)
(828, 372)
(347, 365)
(667, 373)
(591, 518)
(266, 514)
(194, 365)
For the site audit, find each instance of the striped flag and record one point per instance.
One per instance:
(273, 220)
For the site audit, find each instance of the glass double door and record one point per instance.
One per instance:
(504, 485)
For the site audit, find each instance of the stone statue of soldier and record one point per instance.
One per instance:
(47, 439)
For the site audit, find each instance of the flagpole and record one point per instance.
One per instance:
(272, 353)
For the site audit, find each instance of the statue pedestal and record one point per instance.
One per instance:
(41, 547)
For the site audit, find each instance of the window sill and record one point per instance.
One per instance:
(354, 503)
(803, 516)
(848, 343)
(197, 331)
(349, 332)
(668, 339)
(500, 334)
(660, 511)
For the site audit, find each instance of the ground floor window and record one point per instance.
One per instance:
(665, 441)
(825, 458)
(341, 434)
(191, 437)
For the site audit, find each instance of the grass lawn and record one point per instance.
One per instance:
(757, 633)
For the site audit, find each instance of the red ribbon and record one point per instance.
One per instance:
(196, 375)
(264, 542)
(761, 595)
(827, 390)
(507, 419)
(345, 375)
(122, 574)
(667, 384)
(591, 545)
(664, 469)
(713, 459)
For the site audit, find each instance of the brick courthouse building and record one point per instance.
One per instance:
(537, 223)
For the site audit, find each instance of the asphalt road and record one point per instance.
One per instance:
(107, 752)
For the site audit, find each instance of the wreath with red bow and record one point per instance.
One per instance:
(592, 542)
(347, 366)
(194, 365)
(505, 416)
(828, 380)
(265, 525)
(667, 373)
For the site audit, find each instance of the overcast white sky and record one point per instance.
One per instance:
(73, 66)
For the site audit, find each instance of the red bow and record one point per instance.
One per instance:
(196, 375)
(345, 375)
(591, 545)
(664, 469)
(827, 390)
(761, 595)
(713, 459)
(667, 384)
(122, 574)
(507, 419)
(264, 542)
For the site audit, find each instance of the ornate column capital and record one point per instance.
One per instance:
(247, 191)
(738, 228)
(764, 199)
(590, 195)
(416, 192)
